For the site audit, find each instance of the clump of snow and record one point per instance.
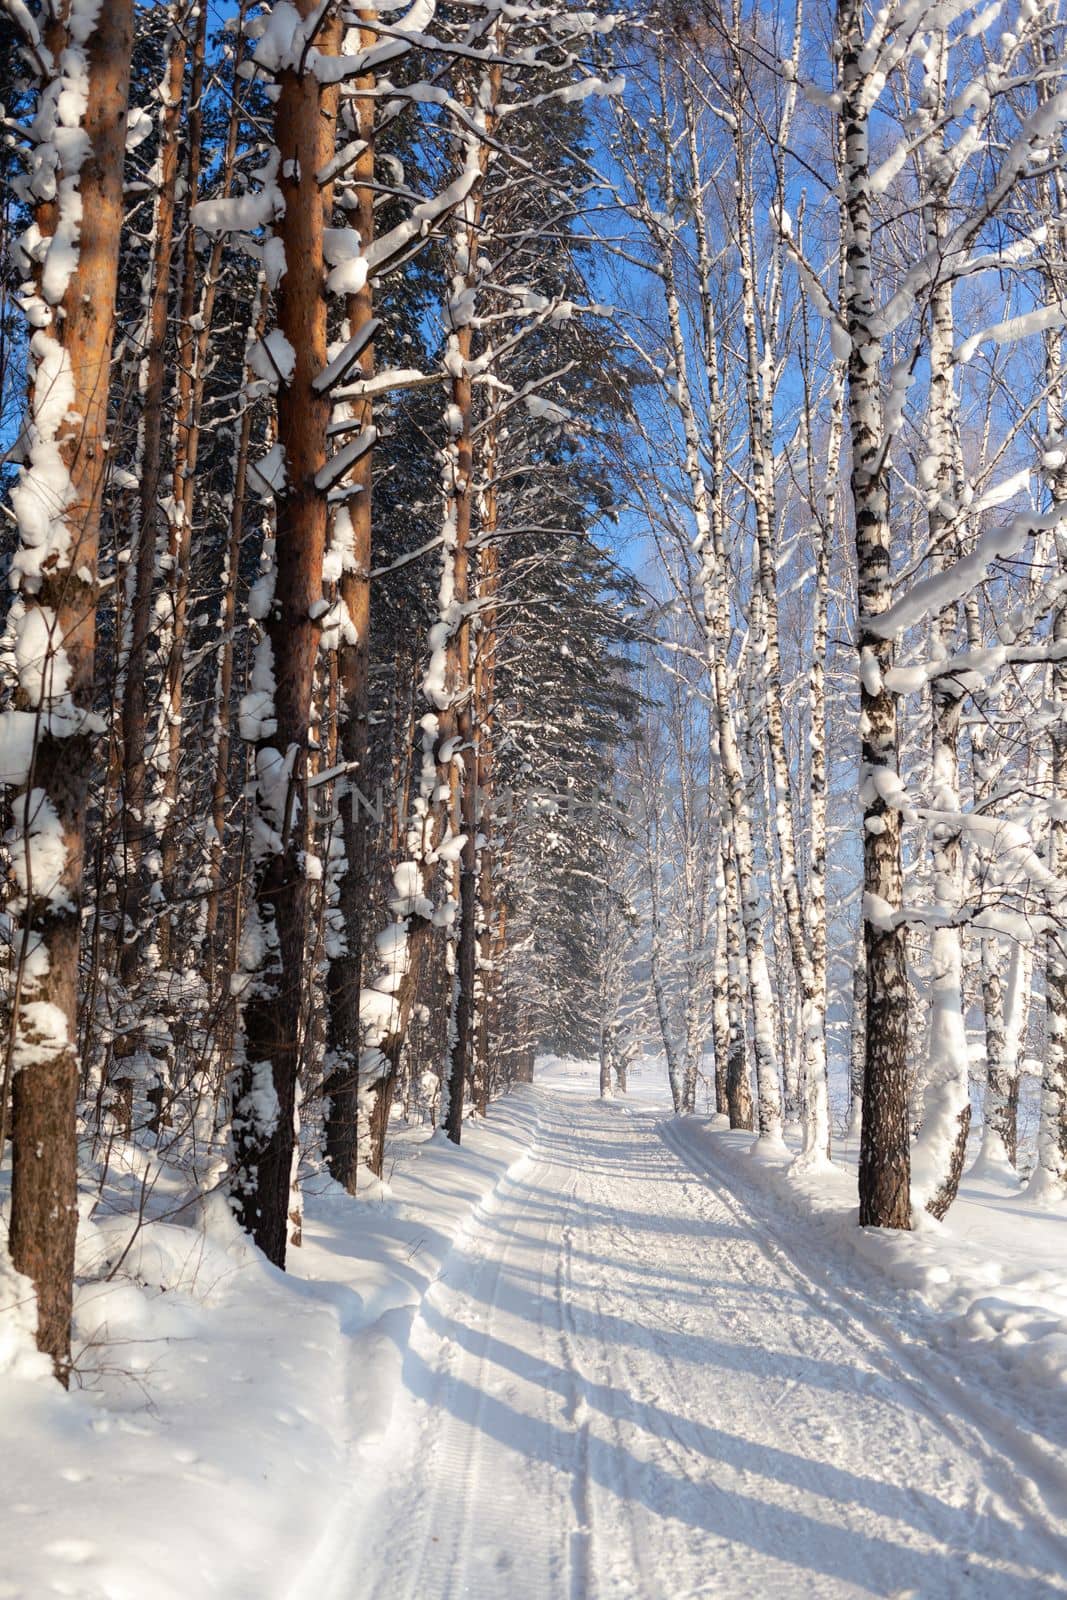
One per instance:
(20, 1359)
(18, 729)
(272, 359)
(43, 493)
(43, 665)
(246, 213)
(39, 853)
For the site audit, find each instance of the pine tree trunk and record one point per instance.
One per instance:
(70, 355)
(215, 943)
(464, 780)
(214, 939)
(485, 698)
(341, 1084)
(264, 1090)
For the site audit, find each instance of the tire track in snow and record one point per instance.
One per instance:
(454, 1391)
(619, 1391)
(914, 1444)
(940, 1391)
(578, 1415)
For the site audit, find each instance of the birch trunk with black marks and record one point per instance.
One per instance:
(709, 518)
(937, 1160)
(759, 404)
(885, 1163)
(1048, 1182)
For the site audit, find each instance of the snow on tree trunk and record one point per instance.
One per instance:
(484, 719)
(216, 944)
(605, 1057)
(351, 552)
(720, 1000)
(761, 464)
(192, 358)
(816, 1095)
(937, 1159)
(461, 838)
(134, 711)
(1048, 1181)
(999, 1131)
(275, 715)
(857, 1037)
(884, 1172)
(75, 185)
(711, 546)
(733, 1095)
(651, 812)
(999, 1115)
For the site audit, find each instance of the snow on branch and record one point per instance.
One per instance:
(931, 595)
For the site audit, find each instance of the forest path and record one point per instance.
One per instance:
(623, 1385)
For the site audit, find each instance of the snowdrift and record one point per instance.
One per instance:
(221, 1408)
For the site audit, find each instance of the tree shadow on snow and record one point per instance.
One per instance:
(697, 1496)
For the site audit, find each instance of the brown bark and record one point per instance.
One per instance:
(464, 788)
(214, 942)
(484, 698)
(304, 126)
(44, 1180)
(341, 1086)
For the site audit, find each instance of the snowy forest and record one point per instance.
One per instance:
(535, 621)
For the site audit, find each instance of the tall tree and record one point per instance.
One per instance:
(885, 1164)
(277, 714)
(75, 185)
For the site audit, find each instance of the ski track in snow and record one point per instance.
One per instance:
(630, 1382)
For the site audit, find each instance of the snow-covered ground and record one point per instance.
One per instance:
(597, 1352)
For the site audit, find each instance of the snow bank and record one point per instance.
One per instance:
(990, 1280)
(220, 1407)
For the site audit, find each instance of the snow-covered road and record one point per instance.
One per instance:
(623, 1384)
